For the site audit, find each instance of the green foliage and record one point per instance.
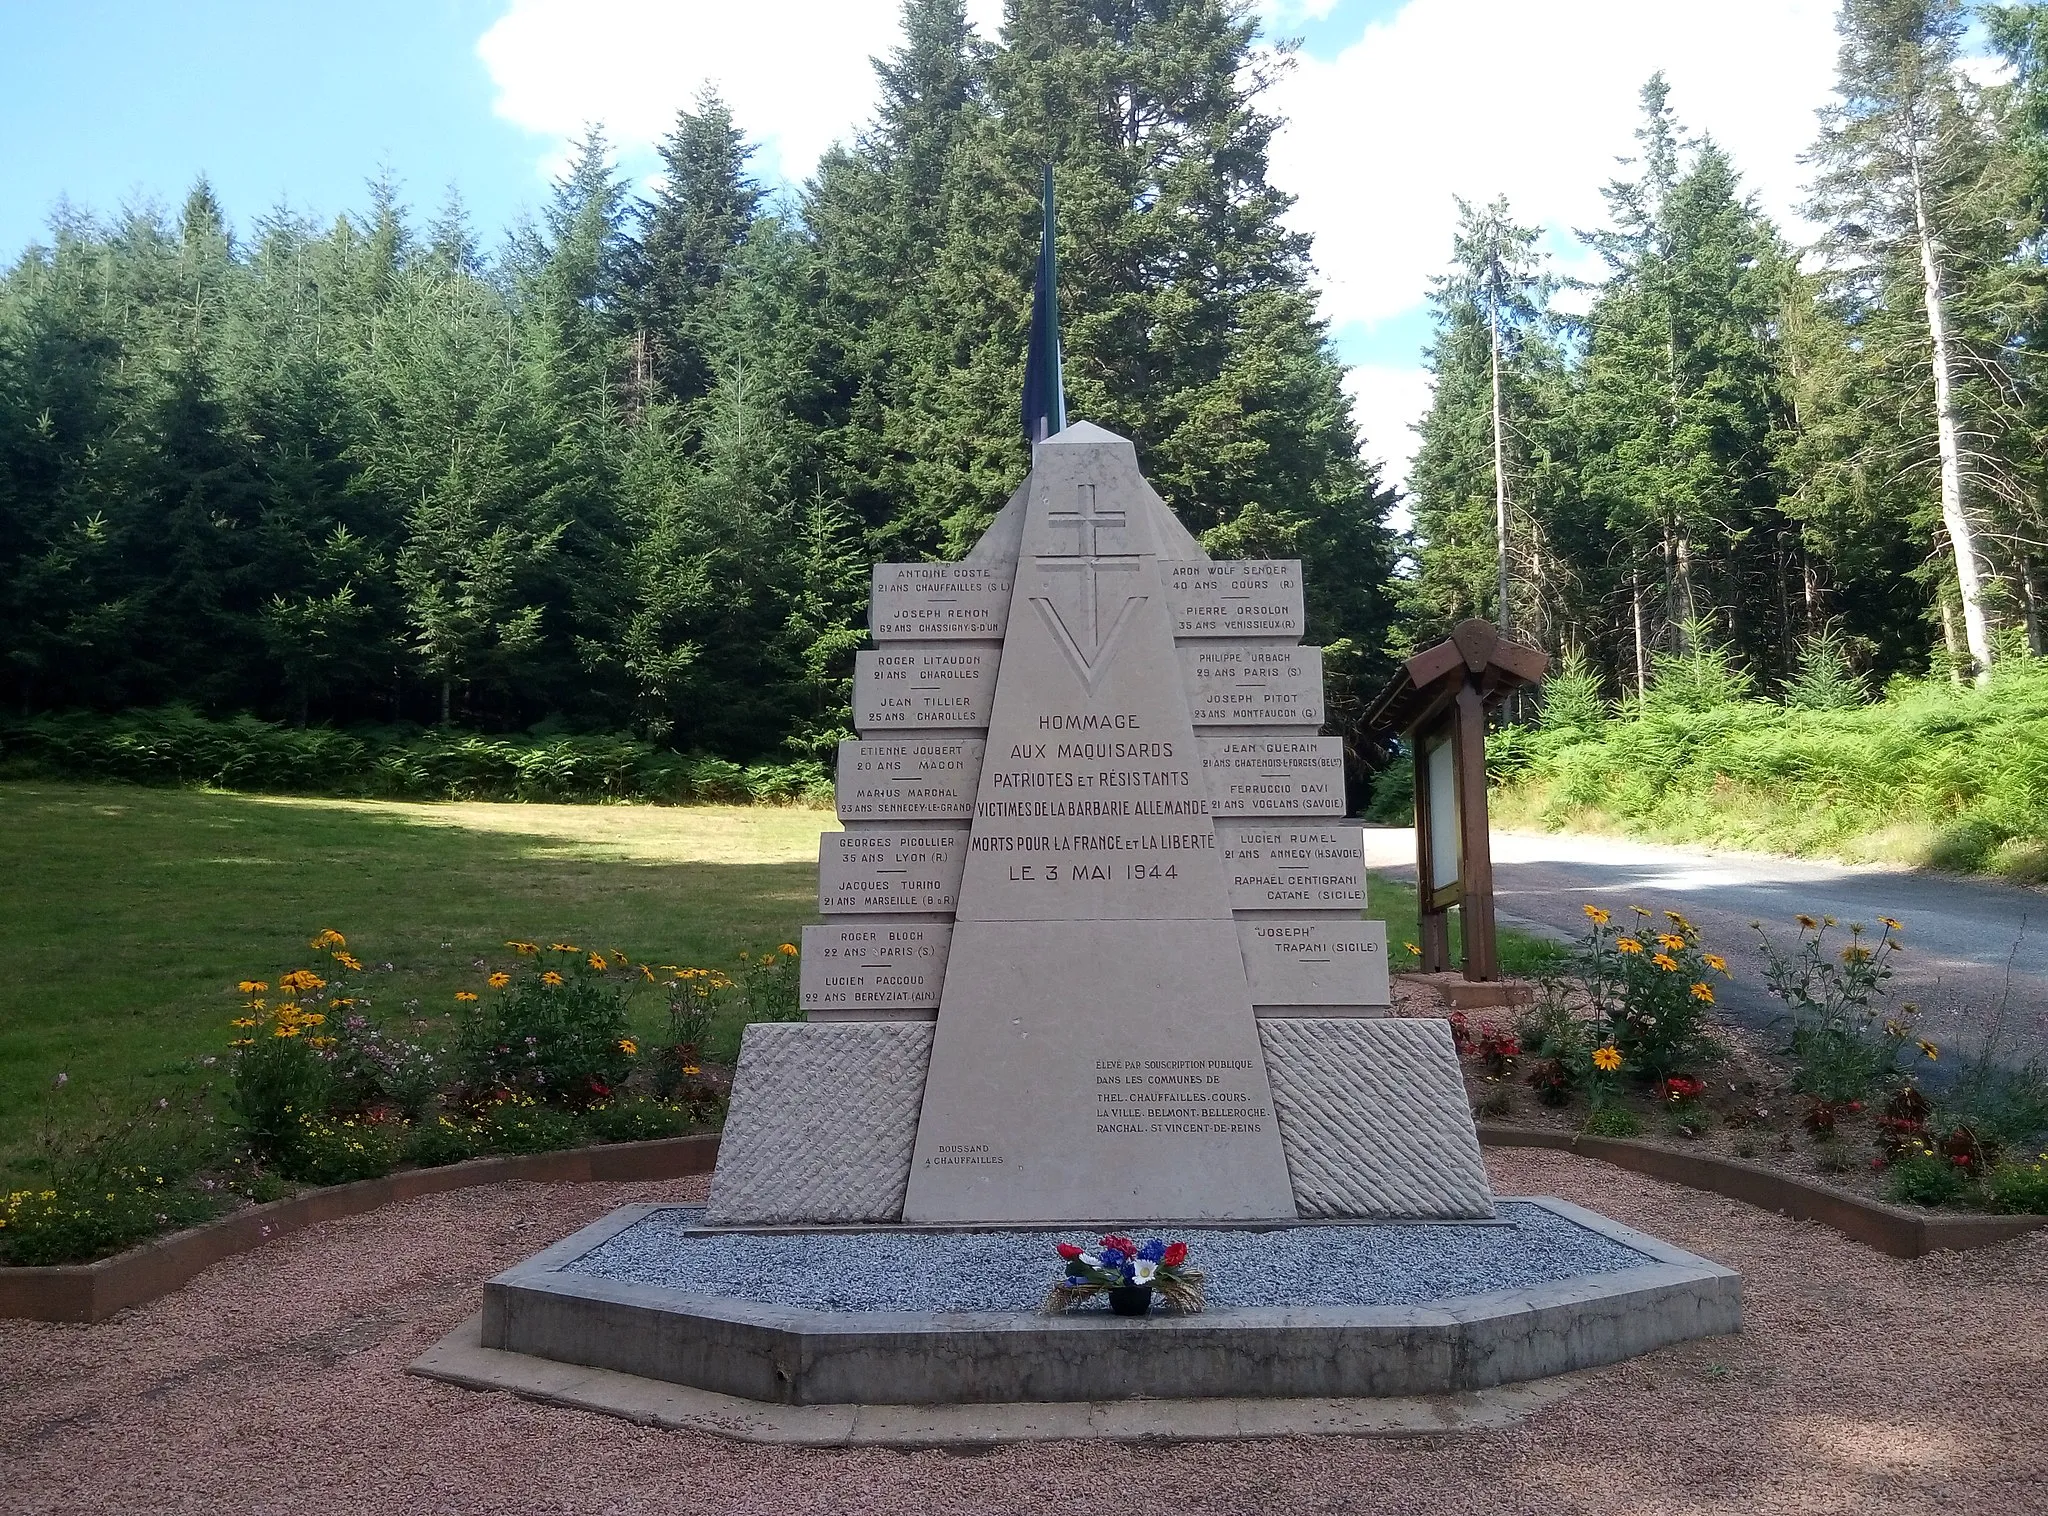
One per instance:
(1826, 680)
(175, 745)
(1573, 705)
(1926, 1178)
(140, 1178)
(634, 467)
(2019, 1189)
(278, 1083)
(440, 1140)
(557, 1033)
(1847, 1041)
(522, 1124)
(1653, 986)
(1613, 1121)
(645, 1120)
(1955, 778)
(341, 1149)
(1706, 676)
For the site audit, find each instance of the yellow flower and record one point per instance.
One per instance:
(628, 1046)
(596, 961)
(1413, 948)
(1639, 910)
(647, 973)
(499, 980)
(691, 1068)
(1704, 992)
(1606, 1059)
(787, 950)
(1677, 920)
(1627, 945)
(563, 947)
(465, 994)
(285, 1029)
(1897, 926)
(349, 962)
(1855, 952)
(1807, 922)
(1665, 962)
(1671, 942)
(1930, 1050)
(551, 979)
(251, 986)
(1595, 915)
(1715, 962)
(243, 1021)
(300, 981)
(328, 939)
(524, 949)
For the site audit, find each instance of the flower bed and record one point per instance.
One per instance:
(322, 1091)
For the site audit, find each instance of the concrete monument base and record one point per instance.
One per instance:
(761, 1350)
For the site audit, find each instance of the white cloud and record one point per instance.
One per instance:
(1485, 97)
(1534, 101)
(1387, 402)
(795, 72)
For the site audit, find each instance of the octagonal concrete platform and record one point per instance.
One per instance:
(778, 1354)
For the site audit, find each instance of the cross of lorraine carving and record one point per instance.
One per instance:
(1090, 648)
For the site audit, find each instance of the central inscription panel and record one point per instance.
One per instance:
(1096, 1054)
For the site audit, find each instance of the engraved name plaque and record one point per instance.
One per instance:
(1253, 683)
(1274, 776)
(1315, 960)
(939, 600)
(901, 687)
(1293, 865)
(890, 868)
(1235, 599)
(931, 780)
(881, 969)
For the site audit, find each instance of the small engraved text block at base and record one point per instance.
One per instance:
(939, 600)
(907, 688)
(1274, 776)
(877, 965)
(1314, 959)
(1232, 683)
(1299, 865)
(927, 779)
(1249, 598)
(876, 869)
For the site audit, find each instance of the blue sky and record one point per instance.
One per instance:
(1395, 106)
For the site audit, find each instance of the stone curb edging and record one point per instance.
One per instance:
(1890, 1229)
(88, 1292)
(461, 1359)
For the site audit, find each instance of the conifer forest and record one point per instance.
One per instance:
(623, 468)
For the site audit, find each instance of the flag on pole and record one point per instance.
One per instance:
(1045, 399)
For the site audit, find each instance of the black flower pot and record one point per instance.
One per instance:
(1131, 1299)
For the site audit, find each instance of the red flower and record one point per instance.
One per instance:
(1175, 1255)
(1069, 1252)
(1118, 1240)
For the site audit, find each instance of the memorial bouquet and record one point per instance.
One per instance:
(1128, 1272)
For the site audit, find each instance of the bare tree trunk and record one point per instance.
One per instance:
(2030, 589)
(1685, 595)
(444, 702)
(1500, 482)
(1949, 639)
(1635, 593)
(1961, 536)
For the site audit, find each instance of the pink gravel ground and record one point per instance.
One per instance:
(276, 1383)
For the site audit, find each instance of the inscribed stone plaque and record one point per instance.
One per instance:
(1311, 865)
(939, 600)
(912, 780)
(871, 869)
(905, 687)
(1314, 959)
(879, 967)
(1274, 776)
(1096, 1053)
(1252, 598)
(1243, 683)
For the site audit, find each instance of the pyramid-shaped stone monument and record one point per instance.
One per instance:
(1093, 945)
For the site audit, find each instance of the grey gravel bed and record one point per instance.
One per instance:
(1378, 1263)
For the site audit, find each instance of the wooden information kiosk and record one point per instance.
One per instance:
(1438, 704)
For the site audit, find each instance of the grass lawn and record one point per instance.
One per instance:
(127, 915)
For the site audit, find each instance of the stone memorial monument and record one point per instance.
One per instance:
(1093, 944)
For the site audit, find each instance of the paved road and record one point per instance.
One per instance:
(1970, 946)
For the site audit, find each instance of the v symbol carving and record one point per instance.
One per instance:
(1092, 665)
